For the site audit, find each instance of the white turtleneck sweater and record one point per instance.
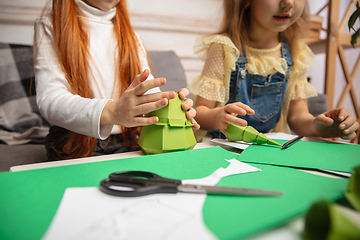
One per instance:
(55, 101)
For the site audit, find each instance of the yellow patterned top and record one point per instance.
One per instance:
(220, 55)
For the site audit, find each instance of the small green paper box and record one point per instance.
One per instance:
(172, 132)
(247, 134)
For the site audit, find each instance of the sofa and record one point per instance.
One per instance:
(23, 129)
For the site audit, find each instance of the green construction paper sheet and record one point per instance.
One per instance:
(232, 217)
(305, 154)
(29, 199)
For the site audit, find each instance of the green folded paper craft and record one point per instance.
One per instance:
(333, 221)
(247, 134)
(353, 192)
(173, 131)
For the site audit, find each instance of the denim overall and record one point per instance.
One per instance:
(264, 94)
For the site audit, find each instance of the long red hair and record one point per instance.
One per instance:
(72, 47)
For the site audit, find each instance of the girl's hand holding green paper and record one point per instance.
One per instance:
(212, 117)
(135, 103)
(228, 115)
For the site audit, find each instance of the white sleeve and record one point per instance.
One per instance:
(53, 94)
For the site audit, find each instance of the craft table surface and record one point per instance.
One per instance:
(93, 159)
(291, 230)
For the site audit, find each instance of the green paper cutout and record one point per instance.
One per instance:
(29, 199)
(247, 134)
(331, 221)
(353, 192)
(172, 132)
(305, 154)
(237, 218)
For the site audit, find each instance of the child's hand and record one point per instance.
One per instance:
(228, 115)
(129, 109)
(336, 123)
(187, 105)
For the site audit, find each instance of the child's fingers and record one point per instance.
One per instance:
(337, 114)
(191, 113)
(349, 121)
(150, 107)
(140, 78)
(144, 86)
(349, 136)
(247, 109)
(342, 113)
(183, 93)
(145, 121)
(324, 120)
(154, 97)
(352, 128)
(196, 125)
(232, 119)
(239, 109)
(187, 104)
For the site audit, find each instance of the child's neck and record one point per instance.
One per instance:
(263, 43)
(263, 40)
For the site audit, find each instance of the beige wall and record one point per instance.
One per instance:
(171, 25)
(162, 24)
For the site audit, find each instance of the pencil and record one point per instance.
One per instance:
(287, 144)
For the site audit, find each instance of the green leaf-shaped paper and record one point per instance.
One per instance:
(247, 134)
(172, 132)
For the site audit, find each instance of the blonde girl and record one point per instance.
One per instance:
(255, 73)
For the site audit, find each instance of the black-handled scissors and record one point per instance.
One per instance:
(139, 183)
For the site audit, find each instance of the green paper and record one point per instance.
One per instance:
(304, 154)
(236, 218)
(353, 192)
(247, 134)
(173, 131)
(29, 199)
(331, 221)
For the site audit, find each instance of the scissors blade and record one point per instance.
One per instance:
(217, 190)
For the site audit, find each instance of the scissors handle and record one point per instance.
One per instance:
(137, 183)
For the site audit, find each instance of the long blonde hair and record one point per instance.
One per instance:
(72, 47)
(237, 16)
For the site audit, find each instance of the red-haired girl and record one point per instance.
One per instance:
(255, 73)
(90, 72)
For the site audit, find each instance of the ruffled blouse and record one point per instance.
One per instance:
(220, 55)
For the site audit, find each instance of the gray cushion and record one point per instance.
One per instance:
(167, 64)
(20, 155)
(317, 105)
(19, 113)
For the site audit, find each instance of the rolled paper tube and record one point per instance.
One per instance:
(247, 134)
